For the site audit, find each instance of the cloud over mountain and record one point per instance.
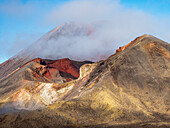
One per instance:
(114, 24)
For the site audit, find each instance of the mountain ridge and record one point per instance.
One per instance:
(128, 89)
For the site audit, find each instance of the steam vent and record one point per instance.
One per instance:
(129, 89)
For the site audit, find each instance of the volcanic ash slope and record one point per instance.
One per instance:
(129, 89)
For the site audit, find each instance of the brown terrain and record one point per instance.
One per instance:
(130, 89)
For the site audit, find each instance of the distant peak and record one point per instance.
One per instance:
(56, 28)
(146, 35)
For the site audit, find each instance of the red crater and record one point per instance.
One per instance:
(56, 70)
(64, 66)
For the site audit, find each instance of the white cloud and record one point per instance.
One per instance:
(117, 19)
(84, 11)
(114, 26)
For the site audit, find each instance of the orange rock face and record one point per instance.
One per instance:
(126, 46)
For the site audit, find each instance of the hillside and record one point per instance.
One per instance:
(131, 88)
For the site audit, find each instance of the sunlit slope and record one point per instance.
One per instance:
(130, 88)
(39, 83)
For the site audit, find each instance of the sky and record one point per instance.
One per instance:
(24, 21)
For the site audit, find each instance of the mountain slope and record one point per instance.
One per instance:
(129, 89)
(34, 84)
(50, 46)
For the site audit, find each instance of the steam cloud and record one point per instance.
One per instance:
(113, 27)
(112, 24)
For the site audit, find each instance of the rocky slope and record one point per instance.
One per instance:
(129, 89)
(40, 82)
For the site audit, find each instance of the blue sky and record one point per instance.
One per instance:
(156, 7)
(24, 21)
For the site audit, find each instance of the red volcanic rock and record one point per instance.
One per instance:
(55, 70)
(50, 73)
(66, 66)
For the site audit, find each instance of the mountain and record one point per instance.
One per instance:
(61, 42)
(49, 45)
(131, 88)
